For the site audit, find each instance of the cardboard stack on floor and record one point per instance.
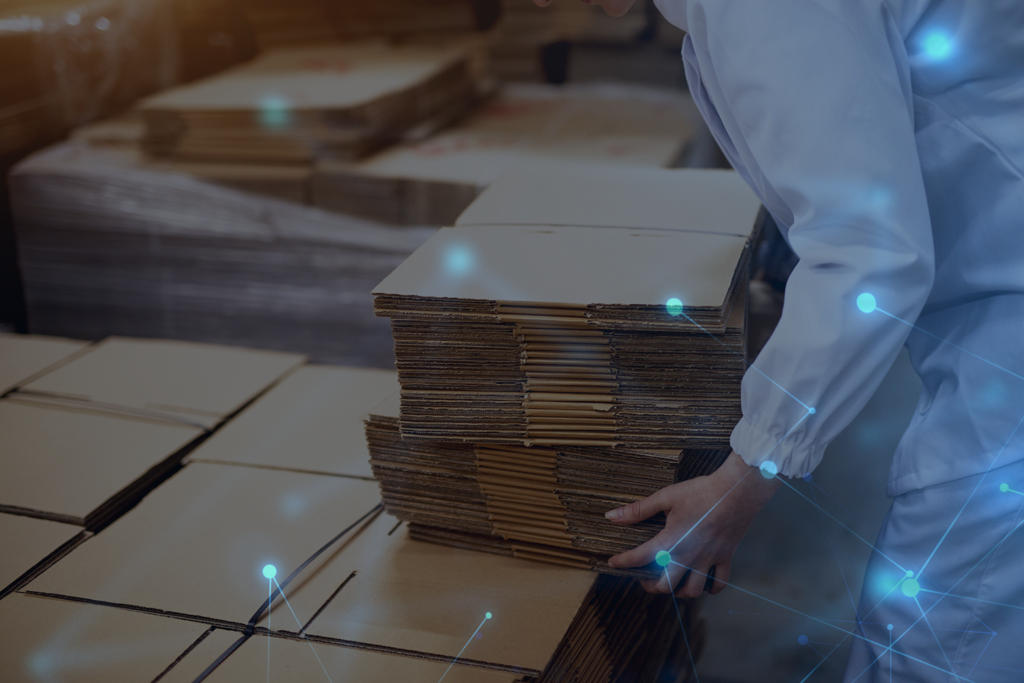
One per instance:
(431, 182)
(297, 104)
(177, 582)
(107, 246)
(557, 359)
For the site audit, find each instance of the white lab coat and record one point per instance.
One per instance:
(886, 137)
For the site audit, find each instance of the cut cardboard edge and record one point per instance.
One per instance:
(45, 563)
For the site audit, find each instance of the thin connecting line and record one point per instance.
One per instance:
(464, 647)
(966, 597)
(818, 665)
(750, 365)
(970, 497)
(1012, 491)
(682, 628)
(934, 635)
(834, 518)
(270, 597)
(302, 631)
(820, 621)
(946, 341)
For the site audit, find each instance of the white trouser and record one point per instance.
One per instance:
(965, 620)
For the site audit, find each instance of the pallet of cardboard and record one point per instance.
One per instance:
(577, 306)
(358, 589)
(430, 182)
(296, 104)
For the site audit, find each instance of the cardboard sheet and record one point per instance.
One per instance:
(193, 661)
(419, 596)
(571, 266)
(191, 382)
(197, 545)
(68, 463)
(565, 193)
(311, 421)
(54, 640)
(26, 542)
(22, 356)
(293, 661)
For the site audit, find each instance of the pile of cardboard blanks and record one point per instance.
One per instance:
(549, 367)
(293, 105)
(108, 246)
(432, 181)
(86, 437)
(362, 594)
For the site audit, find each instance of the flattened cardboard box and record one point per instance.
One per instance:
(79, 465)
(186, 382)
(311, 421)
(23, 356)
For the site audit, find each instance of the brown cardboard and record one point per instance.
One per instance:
(194, 383)
(26, 542)
(430, 598)
(53, 640)
(564, 193)
(22, 356)
(197, 545)
(191, 663)
(66, 463)
(311, 421)
(293, 660)
(568, 265)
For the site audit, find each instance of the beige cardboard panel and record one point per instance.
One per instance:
(70, 461)
(389, 407)
(325, 76)
(53, 640)
(204, 382)
(195, 662)
(570, 265)
(585, 194)
(197, 545)
(313, 420)
(430, 598)
(26, 541)
(25, 355)
(292, 660)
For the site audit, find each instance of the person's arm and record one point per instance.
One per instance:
(815, 97)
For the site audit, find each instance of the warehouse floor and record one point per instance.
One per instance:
(790, 558)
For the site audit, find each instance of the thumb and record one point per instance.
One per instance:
(640, 510)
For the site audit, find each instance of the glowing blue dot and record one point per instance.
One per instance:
(889, 627)
(937, 45)
(807, 477)
(769, 469)
(459, 260)
(274, 112)
(269, 571)
(674, 306)
(663, 558)
(811, 411)
(1004, 487)
(488, 615)
(866, 302)
(802, 640)
(910, 573)
(911, 588)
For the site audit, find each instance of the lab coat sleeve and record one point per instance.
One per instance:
(814, 100)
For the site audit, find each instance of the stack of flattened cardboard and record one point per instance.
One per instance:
(522, 327)
(432, 181)
(107, 246)
(539, 503)
(358, 589)
(85, 439)
(293, 105)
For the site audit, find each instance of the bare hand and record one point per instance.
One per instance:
(707, 518)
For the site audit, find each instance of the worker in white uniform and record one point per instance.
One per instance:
(886, 138)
